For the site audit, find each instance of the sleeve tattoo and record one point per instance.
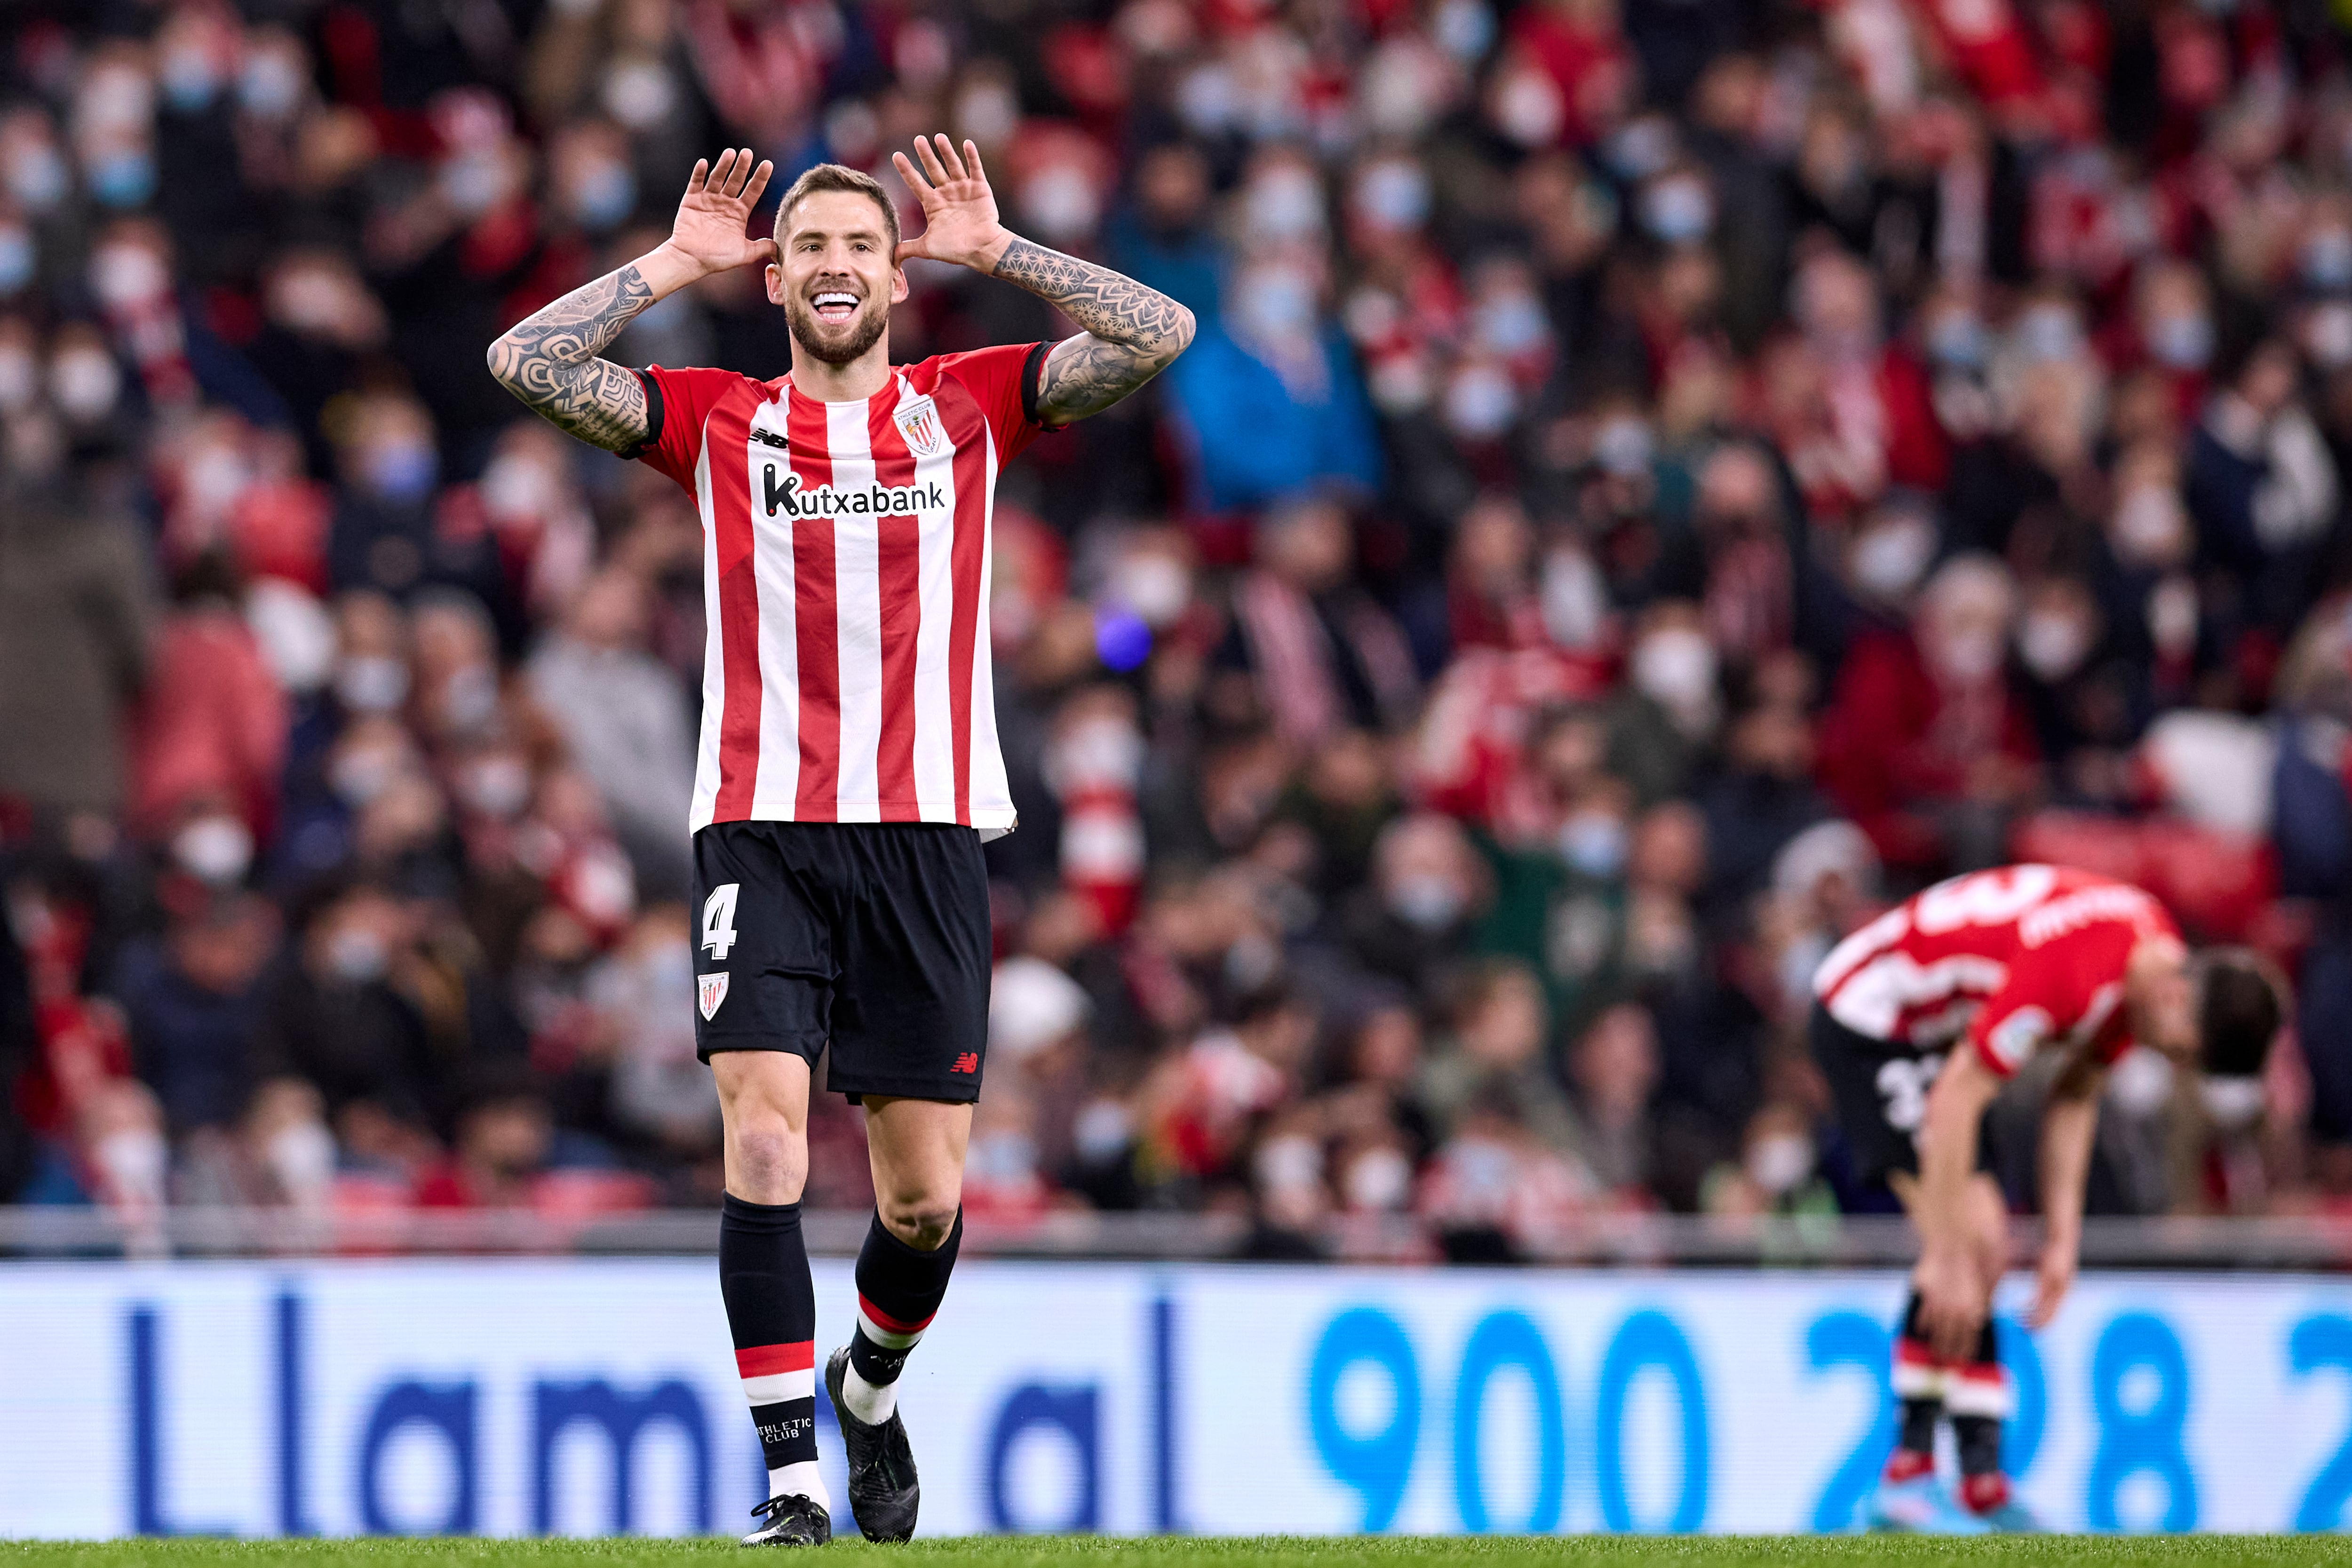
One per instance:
(1132, 333)
(549, 361)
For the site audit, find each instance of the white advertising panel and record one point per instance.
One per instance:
(587, 1396)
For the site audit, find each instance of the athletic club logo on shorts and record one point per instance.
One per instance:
(710, 990)
(919, 424)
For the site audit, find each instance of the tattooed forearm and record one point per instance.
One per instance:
(549, 361)
(1133, 332)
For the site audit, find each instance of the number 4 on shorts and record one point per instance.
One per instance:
(718, 919)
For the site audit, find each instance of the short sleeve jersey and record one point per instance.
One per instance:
(2011, 960)
(846, 554)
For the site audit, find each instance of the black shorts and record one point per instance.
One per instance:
(1881, 1089)
(871, 937)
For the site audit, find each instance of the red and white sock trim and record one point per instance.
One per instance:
(890, 1333)
(1919, 1374)
(775, 1373)
(1980, 1388)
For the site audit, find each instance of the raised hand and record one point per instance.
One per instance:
(960, 219)
(709, 231)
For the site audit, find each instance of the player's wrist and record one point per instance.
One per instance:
(669, 266)
(986, 256)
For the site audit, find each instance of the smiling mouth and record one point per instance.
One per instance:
(835, 306)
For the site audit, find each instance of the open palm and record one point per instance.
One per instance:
(716, 206)
(960, 220)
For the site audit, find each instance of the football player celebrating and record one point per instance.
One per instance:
(1919, 1017)
(849, 769)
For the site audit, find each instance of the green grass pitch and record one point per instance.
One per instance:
(1669, 1551)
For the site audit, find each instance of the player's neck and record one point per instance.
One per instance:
(862, 377)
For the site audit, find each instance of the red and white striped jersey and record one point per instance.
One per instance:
(2012, 959)
(845, 577)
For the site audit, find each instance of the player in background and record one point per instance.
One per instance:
(848, 768)
(1919, 1017)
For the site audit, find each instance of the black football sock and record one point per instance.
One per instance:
(1980, 1400)
(899, 1289)
(763, 1276)
(1918, 1377)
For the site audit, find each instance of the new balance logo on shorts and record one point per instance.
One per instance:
(968, 1062)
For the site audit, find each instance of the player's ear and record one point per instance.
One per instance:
(897, 283)
(775, 276)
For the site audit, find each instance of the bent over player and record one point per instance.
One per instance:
(849, 769)
(1919, 1017)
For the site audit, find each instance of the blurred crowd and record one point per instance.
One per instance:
(1657, 479)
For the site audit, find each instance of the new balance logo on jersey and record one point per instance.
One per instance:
(784, 493)
(968, 1062)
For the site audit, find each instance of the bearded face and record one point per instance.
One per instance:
(835, 276)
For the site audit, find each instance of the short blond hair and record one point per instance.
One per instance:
(837, 178)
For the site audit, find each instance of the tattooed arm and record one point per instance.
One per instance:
(549, 360)
(1132, 333)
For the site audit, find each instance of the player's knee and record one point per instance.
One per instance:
(769, 1160)
(922, 1223)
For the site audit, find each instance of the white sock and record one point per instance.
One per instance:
(800, 1479)
(871, 1402)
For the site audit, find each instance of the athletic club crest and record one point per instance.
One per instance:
(710, 989)
(919, 424)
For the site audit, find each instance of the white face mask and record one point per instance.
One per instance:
(1379, 1180)
(2054, 645)
(1779, 1162)
(357, 956)
(1676, 669)
(1285, 203)
(1890, 559)
(215, 850)
(1061, 202)
(302, 1161)
(1575, 600)
(1291, 1161)
(1154, 586)
(1970, 656)
(85, 383)
(372, 683)
(2149, 528)
(1480, 403)
(1425, 901)
(2234, 1104)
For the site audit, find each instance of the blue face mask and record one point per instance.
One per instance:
(1677, 211)
(2327, 259)
(1958, 339)
(190, 82)
(124, 179)
(1593, 844)
(2183, 342)
(402, 470)
(17, 259)
(604, 198)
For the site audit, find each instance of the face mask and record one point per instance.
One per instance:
(37, 178)
(126, 275)
(402, 470)
(20, 379)
(1379, 1180)
(1778, 1162)
(1061, 204)
(2182, 342)
(603, 196)
(1007, 1158)
(134, 1161)
(2047, 333)
(1155, 587)
(2327, 335)
(1512, 325)
(1101, 1132)
(214, 850)
(371, 683)
(1284, 204)
(1968, 656)
(1640, 149)
(1623, 446)
(988, 113)
(84, 384)
(1394, 196)
(189, 80)
(517, 488)
(1575, 600)
(2140, 1083)
(295, 634)
(17, 259)
(496, 786)
(1207, 101)
(302, 1161)
(1425, 901)
(124, 179)
(1677, 211)
(1275, 302)
(359, 777)
(1480, 403)
(2234, 1104)
(2053, 645)
(2172, 614)
(1287, 1162)
(1463, 28)
(2327, 259)
(1676, 669)
(639, 94)
(270, 86)
(1593, 843)
(357, 956)
(2148, 527)
(1958, 339)
(1889, 559)
(469, 699)
(213, 480)
(1527, 109)
(473, 183)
